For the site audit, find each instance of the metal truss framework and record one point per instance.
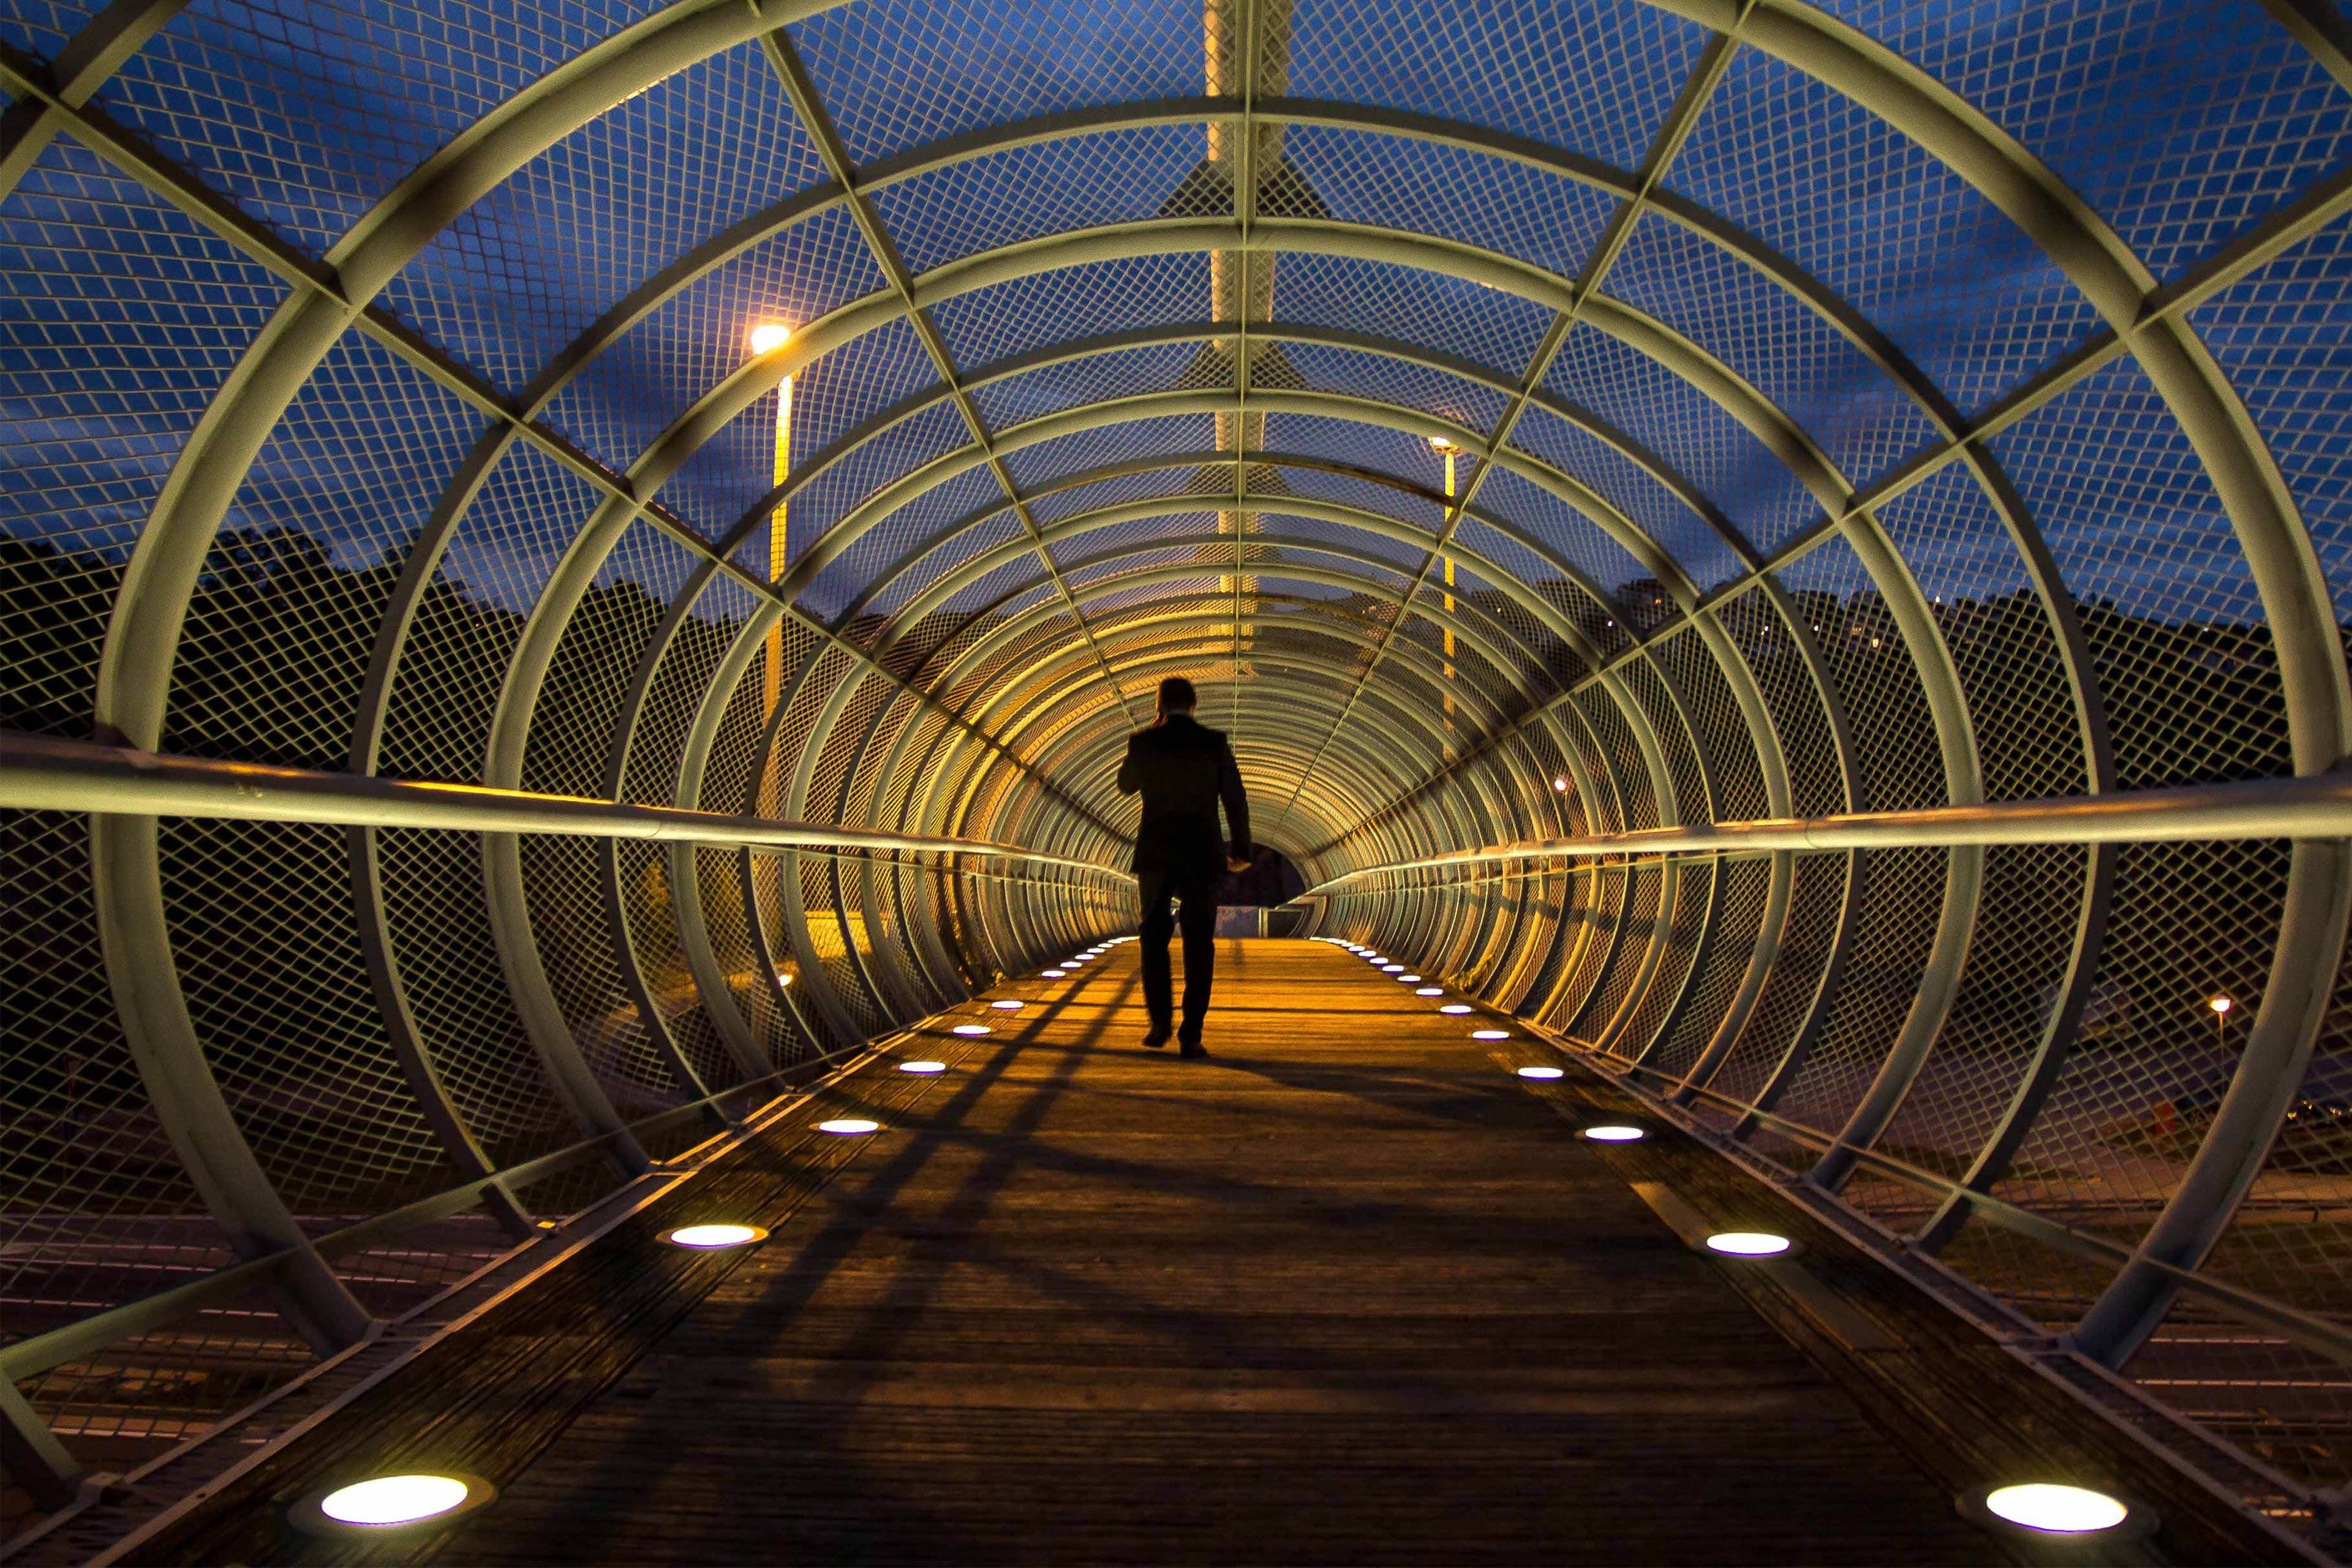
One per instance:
(1760, 862)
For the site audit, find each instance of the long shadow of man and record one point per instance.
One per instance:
(1183, 770)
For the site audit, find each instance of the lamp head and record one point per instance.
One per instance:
(770, 336)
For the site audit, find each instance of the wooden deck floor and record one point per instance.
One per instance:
(1343, 1293)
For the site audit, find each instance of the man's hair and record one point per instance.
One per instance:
(1177, 696)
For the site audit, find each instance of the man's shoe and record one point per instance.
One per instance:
(1158, 1036)
(1192, 1049)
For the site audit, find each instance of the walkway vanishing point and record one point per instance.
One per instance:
(1349, 1292)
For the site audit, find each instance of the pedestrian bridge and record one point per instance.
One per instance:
(574, 578)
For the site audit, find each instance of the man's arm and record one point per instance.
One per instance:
(1131, 770)
(1229, 787)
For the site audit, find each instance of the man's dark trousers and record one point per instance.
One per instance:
(1197, 897)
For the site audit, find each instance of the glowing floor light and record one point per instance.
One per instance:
(1615, 1132)
(1053, 974)
(850, 1126)
(1490, 1034)
(1749, 1244)
(391, 1503)
(972, 1029)
(1007, 1005)
(1457, 1007)
(922, 1066)
(713, 1236)
(1431, 990)
(1409, 979)
(1541, 1072)
(2059, 1510)
(393, 1499)
(1391, 968)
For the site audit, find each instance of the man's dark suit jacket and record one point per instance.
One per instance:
(1183, 769)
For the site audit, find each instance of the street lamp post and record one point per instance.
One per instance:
(1447, 449)
(766, 338)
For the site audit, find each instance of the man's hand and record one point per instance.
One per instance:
(1234, 864)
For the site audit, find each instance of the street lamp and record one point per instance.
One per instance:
(2222, 1005)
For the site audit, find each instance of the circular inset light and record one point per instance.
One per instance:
(391, 1503)
(1541, 1072)
(1749, 1244)
(1006, 1005)
(1457, 1007)
(972, 1029)
(708, 1236)
(1615, 1132)
(1431, 990)
(2056, 1509)
(1409, 979)
(1490, 1034)
(922, 1066)
(1391, 968)
(1053, 974)
(850, 1126)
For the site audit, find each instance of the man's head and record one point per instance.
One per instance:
(1176, 696)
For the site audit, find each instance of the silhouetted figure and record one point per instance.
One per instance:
(1183, 771)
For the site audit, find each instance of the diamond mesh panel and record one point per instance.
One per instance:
(2018, 956)
(2180, 126)
(1814, 900)
(261, 926)
(2187, 922)
(1876, 676)
(531, 264)
(99, 1211)
(284, 617)
(123, 320)
(2184, 659)
(1903, 891)
(1873, 215)
(1739, 914)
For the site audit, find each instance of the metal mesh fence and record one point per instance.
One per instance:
(1834, 490)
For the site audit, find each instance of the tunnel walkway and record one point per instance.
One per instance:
(1345, 1292)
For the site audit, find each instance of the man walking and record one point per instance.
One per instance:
(1183, 769)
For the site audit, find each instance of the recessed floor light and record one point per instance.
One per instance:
(922, 1066)
(2052, 1508)
(1615, 1132)
(385, 1505)
(848, 1126)
(972, 1029)
(1409, 979)
(712, 1236)
(1749, 1244)
(1006, 1005)
(1431, 990)
(1490, 1034)
(1457, 1007)
(1052, 973)
(1541, 1072)
(1393, 968)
